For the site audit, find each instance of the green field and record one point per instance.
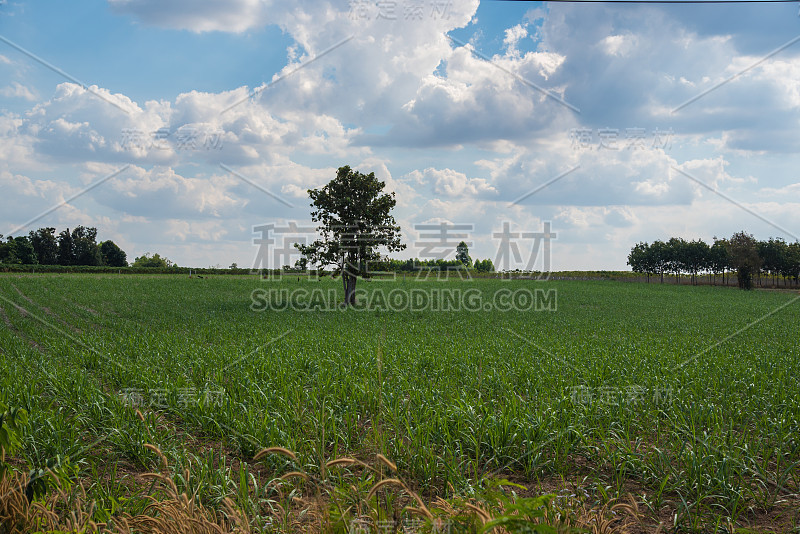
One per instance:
(668, 393)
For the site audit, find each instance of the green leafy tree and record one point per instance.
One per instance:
(743, 250)
(640, 259)
(771, 253)
(676, 257)
(791, 262)
(462, 254)
(355, 222)
(86, 251)
(112, 255)
(66, 248)
(484, 266)
(18, 250)
(146, 260)
(4, 250)
(659, 256)
(45, 245)
(301, 264)
(719, 257)
(696, 257)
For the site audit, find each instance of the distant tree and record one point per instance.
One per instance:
(771, 253)
(676, 256)
(484, 266)
(743, 250)
(719, 258)
(790, 262)
(234, 265)
(659, 256)
(641, 260)
(45, 245)
(146, 260)
(18, 250)
(86, 250)
(355, 221)
(301, 264)
(696, 257)
(66, 248)
(112, 255)
(462, 254)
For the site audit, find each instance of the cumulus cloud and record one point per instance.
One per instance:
(481, 133)
(558, 173)
(622, 68)
(452, 183)
(17, 90)
(75, 125)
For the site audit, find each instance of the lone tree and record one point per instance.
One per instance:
(355, 220)
(743, 251)
(462, 254)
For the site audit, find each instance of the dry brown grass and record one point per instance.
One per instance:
(68, 509)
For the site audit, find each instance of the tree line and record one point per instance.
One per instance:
(741, 254)
(76, 247)
(416, 264)
(461, 261)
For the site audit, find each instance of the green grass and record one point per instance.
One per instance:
(624, 387)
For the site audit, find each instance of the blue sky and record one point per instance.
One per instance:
(459, 128)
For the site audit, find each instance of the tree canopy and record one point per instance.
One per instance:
(76, 247)
(355, 222)
(146, 260)
(462, 254)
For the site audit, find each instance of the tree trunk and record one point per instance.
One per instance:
(349, 283)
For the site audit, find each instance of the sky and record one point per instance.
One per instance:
(545, 135)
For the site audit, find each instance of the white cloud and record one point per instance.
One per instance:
(512, 38)
(481, 137)
(17, 90)
(75, 126)
(619, 45)
(451, 183)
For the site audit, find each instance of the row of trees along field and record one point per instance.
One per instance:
(45, 247)
(767, 262)
(461, 261)
(415, 264)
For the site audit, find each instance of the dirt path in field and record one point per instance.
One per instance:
(6, 319)
(46, 310)
(12, 327)
(81, 307)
